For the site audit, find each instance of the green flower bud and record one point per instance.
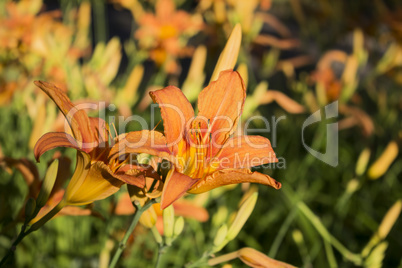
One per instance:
(47, 185)
(178, 227)
(30, 207)
(242, 216)
(220, 238)
(362, 162)
(168, 224)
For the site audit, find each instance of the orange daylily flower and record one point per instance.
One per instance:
(96, 175)
(200, 148)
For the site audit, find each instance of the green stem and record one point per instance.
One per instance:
(33, 228)
(47, 217)
(14, 246)
(282, 232)
(161, 251)
(353, 257)
(223, 258)
(137, 215)
(203, 261)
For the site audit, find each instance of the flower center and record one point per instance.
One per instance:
(167, 31)
(196, 157)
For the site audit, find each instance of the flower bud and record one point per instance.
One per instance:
(156, 234)
(254, 258)
(385, 227)
(242, 216)
(352, 186)
(389, 219)
(362, 162)
(376, 257)
(196, 76)
(297, 237)
(30, 207)
(220, 238)
(220, 216)
(47, 185)
(242, 69)
(148, 217)
(178, 227)
(228, 58)
(384, 161)
(168, 224)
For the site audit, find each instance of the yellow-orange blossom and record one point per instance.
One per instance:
(96, 175)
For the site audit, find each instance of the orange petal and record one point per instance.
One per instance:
(232, 176)
(187, 209)
(146, 170)
(165, 9)
(77, 119)
(176, 111)
(74, 211)
(53, 140)
(176, 186)
(222, 103)
(100, 129)
(145, 141)
(124, 205)
(136, 180)
(246, 151)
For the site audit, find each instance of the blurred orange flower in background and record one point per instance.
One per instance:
(38, 44)
(165, 33)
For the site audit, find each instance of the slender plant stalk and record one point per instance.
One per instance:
(24, 232)
(137, 215)
(203, 261)
(161, 251)
(14, 246)
(282, 232)
(353, 257)
(223, 258)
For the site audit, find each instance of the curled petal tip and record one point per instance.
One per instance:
(176, 186)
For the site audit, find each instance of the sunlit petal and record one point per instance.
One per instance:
(176, 186)
(53, 140)
(145, 141)
(232, 176)
(98, 184)
(222, 103)
(246, 151)
(176, 111)
(137, 180)
(77, 119)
